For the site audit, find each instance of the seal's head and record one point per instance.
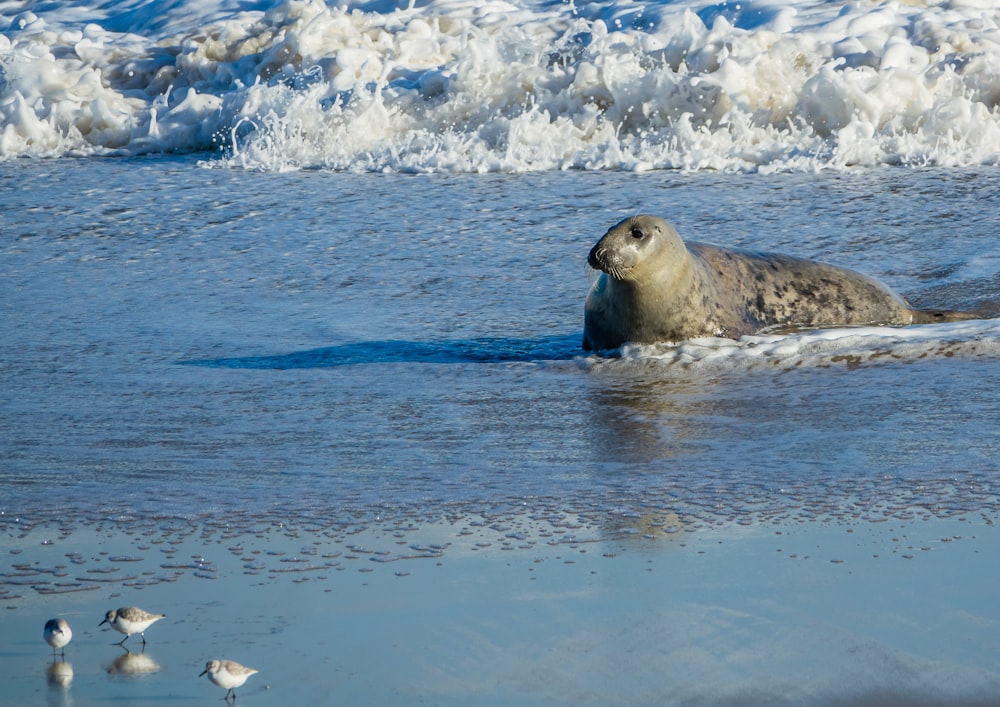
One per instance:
(626, 246)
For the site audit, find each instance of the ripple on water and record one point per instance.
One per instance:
(271, 542)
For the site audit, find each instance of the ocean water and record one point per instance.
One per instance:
(180, 332)
(292, 300)
(378, 379)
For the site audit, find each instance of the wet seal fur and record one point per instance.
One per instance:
(655, 288)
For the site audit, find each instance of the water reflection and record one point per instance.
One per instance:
(639, 419)
(133, 664)
(59, 674)
(646, 524)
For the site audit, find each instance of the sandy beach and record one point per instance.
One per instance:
(511, 610)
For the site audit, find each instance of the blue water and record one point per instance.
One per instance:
(307, 377)
(182, 340)
(208, 372)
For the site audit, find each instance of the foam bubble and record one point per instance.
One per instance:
(475, 87)
(828, 347)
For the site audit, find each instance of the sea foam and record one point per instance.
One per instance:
(841, 347)
(461, 86)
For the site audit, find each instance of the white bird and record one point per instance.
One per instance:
(58, 634)
(228, 674)
(129, 620)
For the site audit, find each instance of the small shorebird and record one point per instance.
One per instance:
(58, 634)
(228, 674)
(129, 620)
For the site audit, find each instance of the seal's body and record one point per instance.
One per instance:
(654, 288)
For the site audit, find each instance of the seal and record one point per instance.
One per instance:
(655, 288)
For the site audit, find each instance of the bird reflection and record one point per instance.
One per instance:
(133, 664)
(59, 673)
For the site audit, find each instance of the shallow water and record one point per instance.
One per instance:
(898, 612)
(183, 325)
(350, 369)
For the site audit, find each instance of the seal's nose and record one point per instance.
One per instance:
(596, 257)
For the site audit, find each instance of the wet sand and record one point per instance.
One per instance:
(519, 609)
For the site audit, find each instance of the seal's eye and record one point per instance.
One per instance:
(637, 233)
